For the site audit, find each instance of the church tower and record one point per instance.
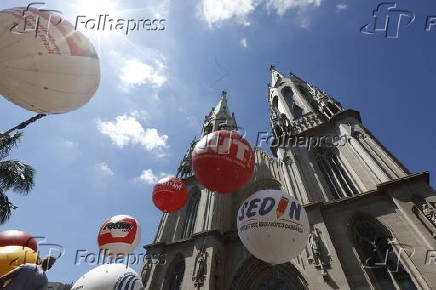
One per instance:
(373, 223)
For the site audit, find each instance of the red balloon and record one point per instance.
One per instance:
(17, 238)
(223, 161)
(170, 194)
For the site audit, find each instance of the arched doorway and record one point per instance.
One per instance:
(175, 273)
(258, 275)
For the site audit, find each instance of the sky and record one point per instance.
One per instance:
(156, 87)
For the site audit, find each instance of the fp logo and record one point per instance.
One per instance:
(223, 145)
(32, 19)
(388, 19)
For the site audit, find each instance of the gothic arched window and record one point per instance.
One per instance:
(304, 92)
(297, 111)
(288, 96)
(275, 102)
(191, 214)
(335, 174)
(373, 243)
(333, 108)
(176, 273)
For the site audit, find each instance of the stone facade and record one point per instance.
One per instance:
(58, 286)
(373, 223)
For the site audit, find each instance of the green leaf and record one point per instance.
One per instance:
(16, 176)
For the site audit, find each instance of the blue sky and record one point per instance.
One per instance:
(156, 87)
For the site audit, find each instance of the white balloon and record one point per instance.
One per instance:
(109, 276)
(119, 236)
(49, 68)
(273, 226)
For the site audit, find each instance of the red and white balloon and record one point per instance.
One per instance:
(223, 161)
(18, 238)
(170, 194)
(119, 235)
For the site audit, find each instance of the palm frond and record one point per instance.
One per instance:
(7, 143)
(17, 176)
(6, 208)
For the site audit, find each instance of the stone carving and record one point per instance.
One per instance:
(429, 212)
(200, 268)
(146, 271)
(426, 212)
(185, 169)
(318, 253)
(279, 123)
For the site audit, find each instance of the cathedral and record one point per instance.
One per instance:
(372, 222)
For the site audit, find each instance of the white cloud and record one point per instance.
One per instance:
(281, 6)
(149, 177)
(217, 11)
(244, 42)
(134, 72)
(105, 169)
(140, 115)
(127, 130)
(340, 7)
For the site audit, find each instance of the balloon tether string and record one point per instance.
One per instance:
(23, 125)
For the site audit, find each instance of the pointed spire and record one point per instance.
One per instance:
(276, 76)
(222, 106)
(219, 117)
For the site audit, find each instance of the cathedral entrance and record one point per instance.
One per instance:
(257, 275)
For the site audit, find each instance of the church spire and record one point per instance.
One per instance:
(276, 76)
(219, 117)
(296, 105)
(222, 107)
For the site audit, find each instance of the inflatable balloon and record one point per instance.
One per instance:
(17, 238)
(273, 226)
(223, 161)
(46, 66)
(119, 235)
(13, 256)
(170, 194)
(109, 276)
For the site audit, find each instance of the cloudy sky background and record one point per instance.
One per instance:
(156, 88)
